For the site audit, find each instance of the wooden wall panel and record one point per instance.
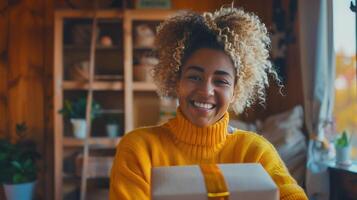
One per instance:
(25, 78)
(3, 75)
(48, 99)
(3, 69)
(25, 75)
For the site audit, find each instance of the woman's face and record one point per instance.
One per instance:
(206, 86)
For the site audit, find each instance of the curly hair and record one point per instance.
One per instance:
(241, 35)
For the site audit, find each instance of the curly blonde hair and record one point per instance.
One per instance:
(241, 35)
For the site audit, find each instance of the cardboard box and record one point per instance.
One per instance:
(244, 181)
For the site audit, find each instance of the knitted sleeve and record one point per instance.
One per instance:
(271, 161)
(130, 178)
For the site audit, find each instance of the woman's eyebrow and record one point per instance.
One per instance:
(195, 68)
(222, 72)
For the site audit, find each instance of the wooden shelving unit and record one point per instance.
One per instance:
(143, 86)
(134, 103)
(98, 142)
(98, 85)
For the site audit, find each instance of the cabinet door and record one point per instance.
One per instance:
(343, 184)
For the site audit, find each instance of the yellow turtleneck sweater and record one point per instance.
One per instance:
(179, 142)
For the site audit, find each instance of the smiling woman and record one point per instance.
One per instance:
(209, 62)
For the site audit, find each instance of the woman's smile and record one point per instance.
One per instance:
(202, 105)
(201, 108)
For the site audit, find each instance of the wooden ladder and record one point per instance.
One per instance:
(86, 148)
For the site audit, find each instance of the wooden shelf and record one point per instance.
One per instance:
(108, 77)
(112, 111)
(144, 48)
(95, 141)
(148, 14)
(101, 14)
(87, 48)
(97, 85)
(144, 86)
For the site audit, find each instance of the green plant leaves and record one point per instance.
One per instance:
(19, 178)
(77, 109)
(16, 165)
(28, 164)
(18, 161)
(343, 140)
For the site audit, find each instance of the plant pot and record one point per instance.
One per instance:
(343, 155)
(112, 130)
(79, 128)
(23, 191)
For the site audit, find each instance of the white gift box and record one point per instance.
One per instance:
(244, 181)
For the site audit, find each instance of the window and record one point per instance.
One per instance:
(345, 108)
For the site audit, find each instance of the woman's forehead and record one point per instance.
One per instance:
(206, 59)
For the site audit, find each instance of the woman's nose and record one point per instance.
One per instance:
(206, 88)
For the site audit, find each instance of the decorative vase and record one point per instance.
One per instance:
(112, 130)
(343, 155)
(23, 191)
(79, 128)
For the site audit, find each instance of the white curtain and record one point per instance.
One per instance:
(318, 75)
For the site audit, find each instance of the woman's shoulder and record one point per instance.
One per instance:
(251, 145)
(249, 137)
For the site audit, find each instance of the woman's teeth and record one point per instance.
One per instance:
(203, 105)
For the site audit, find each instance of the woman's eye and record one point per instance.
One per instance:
(222, 82)
(194, 78)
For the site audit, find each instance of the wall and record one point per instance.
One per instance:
(25, 75)
(26, 46)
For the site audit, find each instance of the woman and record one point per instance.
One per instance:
(208, 62)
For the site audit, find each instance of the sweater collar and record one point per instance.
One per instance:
(191, 134)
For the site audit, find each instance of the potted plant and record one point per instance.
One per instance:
(112, 127)
(343, 149)
(18, 171)
(76, 112)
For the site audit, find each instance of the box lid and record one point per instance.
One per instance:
(247, 181)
